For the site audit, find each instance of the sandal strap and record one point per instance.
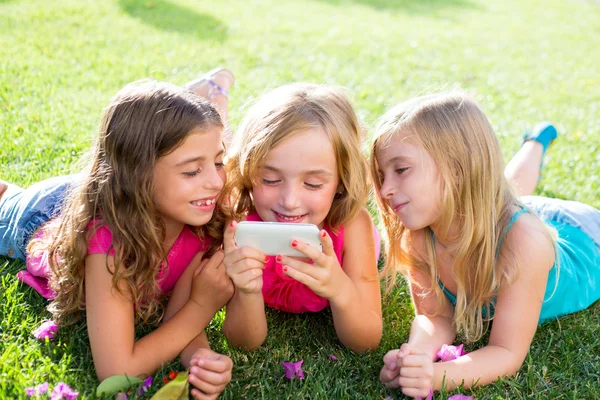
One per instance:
(216, 90)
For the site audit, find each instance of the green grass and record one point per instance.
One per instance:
(61, 61)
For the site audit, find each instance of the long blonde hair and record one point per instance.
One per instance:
(284, 112)
(476, 196)
(144, 122)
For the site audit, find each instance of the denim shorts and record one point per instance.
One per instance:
(22, 211)
(574, 213)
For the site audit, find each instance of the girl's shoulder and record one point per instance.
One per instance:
(528, 241)
(100, 237)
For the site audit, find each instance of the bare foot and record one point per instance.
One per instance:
(3, 187)
(214, 87)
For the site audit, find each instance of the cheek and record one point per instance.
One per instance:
(264, 195)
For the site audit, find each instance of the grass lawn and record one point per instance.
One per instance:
(61, 62)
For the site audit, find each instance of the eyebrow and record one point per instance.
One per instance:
(196, 159)
(397, 158)
(311, 172)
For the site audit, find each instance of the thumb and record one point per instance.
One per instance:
(405, 350)
(229, 236)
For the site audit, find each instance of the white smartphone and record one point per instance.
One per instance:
(274, 238)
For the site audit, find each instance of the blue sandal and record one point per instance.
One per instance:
(544, 133)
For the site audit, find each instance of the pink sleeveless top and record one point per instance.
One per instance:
(286, 294)
(186, 246)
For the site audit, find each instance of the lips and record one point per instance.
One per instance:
(398, 207)
(288, 218)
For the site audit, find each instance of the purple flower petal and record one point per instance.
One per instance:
(145, 385)
(37, 390)
(62, 391)
(293, 369)
(460, 397)
(47, 330)
(449, 352)
(332, 357)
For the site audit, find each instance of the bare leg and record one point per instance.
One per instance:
(224, 80)
(524, 168)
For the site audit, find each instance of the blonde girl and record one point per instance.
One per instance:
(473, 252)
(297, 159)
(138, 225)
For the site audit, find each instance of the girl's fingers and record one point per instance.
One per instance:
(309, 251)
(199, 381)
(326, 242)
(246, 253)
(242, 266)
(390, 359)
(410, 382)
(198, 395)
(411, 372)
(392, 384)
(386, 375)
(412, 361)
(300, 277)
(220, 364)
(215, 260)
(308, 269)
(415, 392)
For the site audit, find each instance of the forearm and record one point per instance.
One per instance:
(358, 326)
(245, 322)
(480, 367)
(428, 334)
(158, 347)
(199, 342)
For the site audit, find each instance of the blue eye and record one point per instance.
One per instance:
(400, 171)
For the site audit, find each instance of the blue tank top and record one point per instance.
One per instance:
(574, 280)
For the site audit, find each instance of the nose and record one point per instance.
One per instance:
(289, 198)
(387, 190)
(214, 180)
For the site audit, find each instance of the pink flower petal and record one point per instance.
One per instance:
(449, 352)
(460, 397)
(37, 390)
(332, 357)
(121, 396)
(293, 369)
(47, 330)
(62, 391)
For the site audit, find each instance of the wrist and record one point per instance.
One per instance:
(343, 294)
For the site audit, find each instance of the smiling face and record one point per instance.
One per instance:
(188, 180)
(298, 180)
(411, 183)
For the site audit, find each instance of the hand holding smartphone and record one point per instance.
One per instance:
(274, 238)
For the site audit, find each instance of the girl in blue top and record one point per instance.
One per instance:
(472, 251)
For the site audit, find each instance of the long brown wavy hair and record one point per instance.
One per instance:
(145, 121)
(476, 196)
(284, 112)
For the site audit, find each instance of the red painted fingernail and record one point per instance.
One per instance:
(284, 269)
(266, 258)
(278, 258)
(294, 243)
(323, 233)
